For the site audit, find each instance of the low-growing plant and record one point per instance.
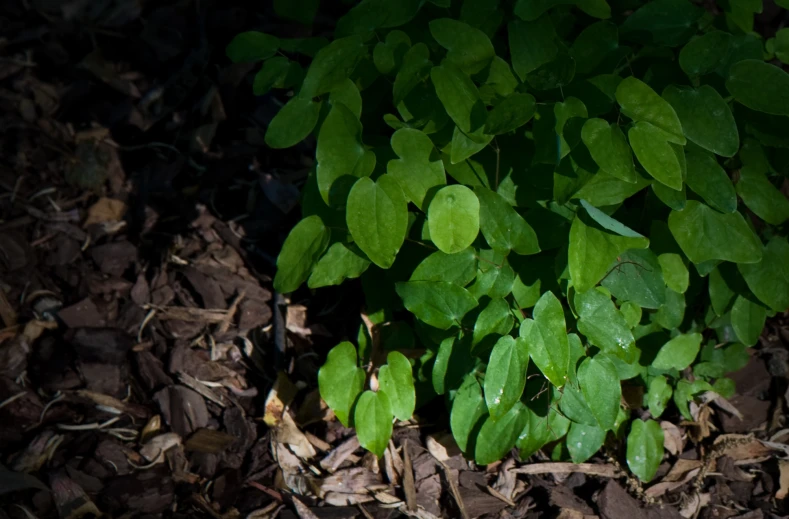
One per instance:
(547, 201)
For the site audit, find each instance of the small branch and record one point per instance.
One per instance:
(592, 469)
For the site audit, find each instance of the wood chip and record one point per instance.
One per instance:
(343, 452)
(302, 510)
(592, 469)
(409, 487)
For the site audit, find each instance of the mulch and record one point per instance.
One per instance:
(148, 369)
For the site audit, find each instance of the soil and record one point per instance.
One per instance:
(147, 367)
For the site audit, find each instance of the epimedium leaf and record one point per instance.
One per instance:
(466, 145)
(706, 118)
(510, 114)
(503, 228)
(662, 22)
(658, 395)
(377, 216)
(603, 325)
(438, 303)
(704, 234)
(482, 14)
(505, 377)
(302, 11)
(709, 180)
(673, 199)
(252, 46)
(372, 418)
(495, 318)
(656, 154)
(342, 261)
(541, 430)
(497, 437)
(642, 104)
(593, 45)
(574, 406)
(636, 276)
(679, 352)
(720, 294)
(388, 55)
(467, 47)
(644, 448)
(557, 73)
(341, 155)
(417, 171)
(397, 381)
(583, 441)
(276, 72)
(331, 65)
(769, 279)
(499, 84)
(452, 364)
(609, 149)
(459, 268)
(604, 189)
(293, 123)
(760, 86)
(631, 312)
(302, 248)
(572, 109)
(340, 380)
(761, 196)
(703, 54)
(546, 338)
(453, 218)
(493, 282)
(675, 272)
(347, 93)
(747, 319)
(532, 44)
(600, 386)
(460, 97)
(415, 69)
(671, 313)
(533, 9)
(468, 412)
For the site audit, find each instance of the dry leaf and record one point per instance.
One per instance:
(104, 211)
(694, 503)
(302, 510)
(289, 433)
(783, 466)
(442, 446)
(153, 450)
(280, 396)
(672, 437)
(741, 447)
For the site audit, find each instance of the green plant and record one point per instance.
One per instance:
(541, 199)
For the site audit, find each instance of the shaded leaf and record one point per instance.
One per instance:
(340, 262)
(704, 54)
(762, 197)
(331, 65)
(658, 395)
(709, 180)
(662, 22)
(642, 104)
(583, 441)
(656, 154)
(302, 248)
(468, 412)
(769, 279)
(675, 272)
(459, 96)
(503, 228)
(293, 123)
(437, 303)
(252, 46)
(510, 114)
(609, 149)
(532, 45)
(467, 47)
(760, 86)
(603, 325)
(495, 318)
(415, 68)
(459, 268)
(747, 319)
(505, 377)
(600, 386)
(546, 338)
(497, 437)
(636, 276)
(706, 118)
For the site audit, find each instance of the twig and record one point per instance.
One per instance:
(592, 469)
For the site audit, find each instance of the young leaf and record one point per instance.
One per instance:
(252, 46)
(583, 441)
(636, 276)
(301, 250)
(293, 123)
(644, 448)
(762, 197)
(453, 218)
(600, 386)
(747, 319)
(769, 279)
(496, 437)
(397, 381)
(459, 268)
(603, 325)
(546, 339)
(609, 149)
(495, 318)
(414, 170)
(532, 45)
(437, 303)
(656, 154)
(377, 216)
(708, 180)
(675, 272)
(760, 86)
(658, 396)
(468, 412)
(642, 104)
(631, 312)
(705, 234)
(702, 55)
(459, 96)
(332, 64)
(503, 228)
(467, 47)
(372, 418)
(506, 376)
(678, 353)
(510, 114)
(706, 118)
(340, 262)
(340, 380)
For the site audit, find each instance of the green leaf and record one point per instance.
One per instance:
(673, 199)
(541, 430)
(276, 72)
(301, 250)
(670, 315)
(495, 318)
(340, 262)
(781, 45)
(705, 234)
(720, 293)
(495, 276)
(419, 168)
(642, 104)
(397, 382)
(706, 118)
(332, 65)
(437, 303)
(769, 279)
(347, 93)
(415, 69)
(662, 22)
(453, 218)
(583, 441)
(308, 46)
(293, 123)
(603, 325)
(482, 14)
(609, 149)
(506, 376)
(574, 406)
(302, 11)
(340, 380)
(631, 312)
(708, 180)
(252, 46)
(658, 395)
(377, 216)
(684, 393)
(467, 47)
(532, 9)
(497, 437)
(747, 319)
(704, 54)
(499, 84)
(594, 246)
(453, 362)
(459, 268)
(465, 145)
(636, 276)
(503, 228)
(341, 155)
(593, 45)
(656, 154)
(600, 386)
(556, 74)
(604, 189)
(679, 352)
(546, 339)
(675, 272)
(644, 448)
(372, 418)
(760, 86)
(459, 96)
(762, 197)
(532, 45)
(510, 114)
(468, 412)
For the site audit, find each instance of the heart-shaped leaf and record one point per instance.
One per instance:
(762, 197)
(532, 45)
(600, 386)
(301, 250)
(377, 216)
(583, 441)
(708, 180)
(546, 339)
(467, 47)
(636, 276)
(468, 412)
(679, 352)
(769, 279)
(506, 375)
(656, 154)
(510, 114)
(416, 171)
(747, 320)
(702, 55)
(331, 65)
(340, 262)
(603, 325)
(706, 118)
(495, 318)
(644, 448)
(453, 218)
(459, 268)
(503, 228)
(496, 437)
(293, 123)
(340, 380)
(437, 303)
(459, 96)
(397, 381)
(609, 149)
(760, 86)
(642, 104)
(372, 418)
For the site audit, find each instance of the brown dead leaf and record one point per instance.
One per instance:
(740, 447)
(106, 210)
(302, 510)
(783, 491)
(154, 449)
(289, 433)
(672, 437)
(442, 446)
(681, 468)
(280, 396)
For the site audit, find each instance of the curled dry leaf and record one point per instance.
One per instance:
(672, 437)
(783, 481)
(153, 450)
(442, 446)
